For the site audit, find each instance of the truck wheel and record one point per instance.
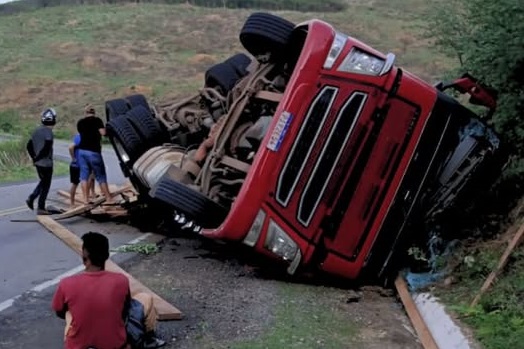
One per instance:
(126, 141)
(239, 62)
(146, 126)
(222, 75)
(264, 33)
(116, 107)
(197, 206)
(137, 100)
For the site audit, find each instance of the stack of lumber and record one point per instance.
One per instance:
(121, 196)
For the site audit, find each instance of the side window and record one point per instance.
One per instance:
(303, 145)
(329, 156)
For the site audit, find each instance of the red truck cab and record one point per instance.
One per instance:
(351, 144)
(358, 155)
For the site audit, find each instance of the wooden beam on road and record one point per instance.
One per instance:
(423, 332)
(115, 191)
(80, 209)
(68, 214)
(165, 310)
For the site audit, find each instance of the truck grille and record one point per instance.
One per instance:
(329, 156)
(307, 137)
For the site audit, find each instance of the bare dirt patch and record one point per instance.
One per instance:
(136, 89)
(42, 93)
(202, 59)
(111, 60)
(229, 302)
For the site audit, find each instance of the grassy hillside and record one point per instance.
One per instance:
(294, 5)
(67, 56)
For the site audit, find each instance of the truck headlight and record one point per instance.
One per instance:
(278, 242)
(336, 47)
(254, 232)
(358, 61)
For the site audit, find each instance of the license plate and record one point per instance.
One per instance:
(279, 131)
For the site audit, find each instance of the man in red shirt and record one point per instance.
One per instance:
(96, 303)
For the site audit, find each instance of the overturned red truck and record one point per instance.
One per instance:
(315, 149)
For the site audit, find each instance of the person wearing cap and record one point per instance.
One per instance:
(40, 149)
(91, 129)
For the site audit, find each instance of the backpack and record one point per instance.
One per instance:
(135, 327)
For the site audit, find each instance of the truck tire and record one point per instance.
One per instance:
(206, 212)
(239, 62)
(126, 141)
(115, 108)
(137, 100)
(264, 33)
(222, 75)
(146, 126)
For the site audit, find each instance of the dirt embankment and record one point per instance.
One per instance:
(234, 302)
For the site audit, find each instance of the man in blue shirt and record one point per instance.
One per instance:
(74, 172)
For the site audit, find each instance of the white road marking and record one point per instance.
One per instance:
(40, 287)
(13, 210)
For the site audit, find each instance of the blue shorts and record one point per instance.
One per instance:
(91, 162)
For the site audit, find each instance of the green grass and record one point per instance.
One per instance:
(295, 5)
(498, 320)
(28, 172)
(302, 320)
(15, 165)
(11, 122)
(96, 53)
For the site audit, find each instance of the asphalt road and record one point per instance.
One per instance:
(29, 255)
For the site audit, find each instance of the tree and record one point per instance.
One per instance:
(487, 37)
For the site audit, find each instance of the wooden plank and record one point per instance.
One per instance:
(423, 332)
(517, 238)
(68, 214)
(110, 212)
(165, 310)
(79, 210)
(115, 192)
(66, 195)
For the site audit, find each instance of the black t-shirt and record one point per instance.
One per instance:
(90, 138)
